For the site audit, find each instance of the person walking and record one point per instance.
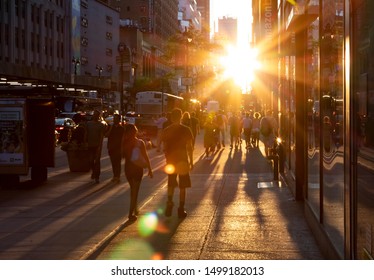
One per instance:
(256, 129)
(95, 130)
(235, 128)
(159, 123)
(114, 134)
(247, 129)
(211, 137)
(177, 139)
(268, 128)
(221, 121)
(133, 172)
(195, 127)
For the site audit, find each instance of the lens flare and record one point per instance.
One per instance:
(147, 224)
(133, 249)
(169, 169)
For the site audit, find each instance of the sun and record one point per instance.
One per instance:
(240, 64)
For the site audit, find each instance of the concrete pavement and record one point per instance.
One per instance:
(235, 212)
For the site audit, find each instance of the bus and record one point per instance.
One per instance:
(151, 103)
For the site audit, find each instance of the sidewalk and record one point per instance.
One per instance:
(238, 214)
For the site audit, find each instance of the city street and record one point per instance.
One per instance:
(235, 211)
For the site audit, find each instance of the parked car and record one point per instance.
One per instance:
(64, 127)
(130, 117)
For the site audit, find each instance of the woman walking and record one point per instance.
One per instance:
(133, 172)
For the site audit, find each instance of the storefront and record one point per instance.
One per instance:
(326, 63)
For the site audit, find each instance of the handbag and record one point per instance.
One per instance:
(137, 157)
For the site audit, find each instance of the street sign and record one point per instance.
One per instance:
(186, 81)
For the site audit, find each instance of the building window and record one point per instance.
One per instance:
(46, 46)
(84, 22)
(16, 37)
(84, 60)
(16, 7)
(109, 52)
(23, 39)
(109, 20)
(6, 34)
(84, 41)
(46, 19)
(109, 36)
(84, 4)
(109, 68)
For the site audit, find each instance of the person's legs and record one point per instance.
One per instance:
(134, 190)
(115, 159)
(184, 183)
(159, 143)
(172, 183)
(222, 131)
(182, 200)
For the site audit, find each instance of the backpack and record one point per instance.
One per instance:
(266, 127)
(219, 120)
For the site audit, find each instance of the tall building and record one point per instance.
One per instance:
(157, 17)
(203, 7)
(35, 40)
(145, 27)
(228, 30)
(189, 15)
(61, 43)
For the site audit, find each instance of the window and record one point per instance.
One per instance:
(84, 4)
(109, 36)
(109, 52)
(84, 22)
(16, 37)
(23, 39)
(84, 41)
(109, 20)
(84, 60)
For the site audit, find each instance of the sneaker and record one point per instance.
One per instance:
(169, 209)
(182, 213)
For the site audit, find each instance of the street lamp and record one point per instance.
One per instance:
(99, 69)
(188, 41)
(76, 62)
(121, 50)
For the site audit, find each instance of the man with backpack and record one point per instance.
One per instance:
(221, 122)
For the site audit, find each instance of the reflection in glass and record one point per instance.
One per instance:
(313, 119)
(363, 71)
(331, 113)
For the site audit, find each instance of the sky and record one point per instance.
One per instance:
(240, 9)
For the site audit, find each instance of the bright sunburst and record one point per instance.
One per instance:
(240, 65)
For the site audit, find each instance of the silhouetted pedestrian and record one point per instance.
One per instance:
(95, 130)
(134, 172)
(114, 146)
(177, 139)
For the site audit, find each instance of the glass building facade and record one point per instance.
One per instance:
(325, 93)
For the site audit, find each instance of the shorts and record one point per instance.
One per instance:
(184, 181)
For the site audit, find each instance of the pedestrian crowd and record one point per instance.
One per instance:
(176, 134)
